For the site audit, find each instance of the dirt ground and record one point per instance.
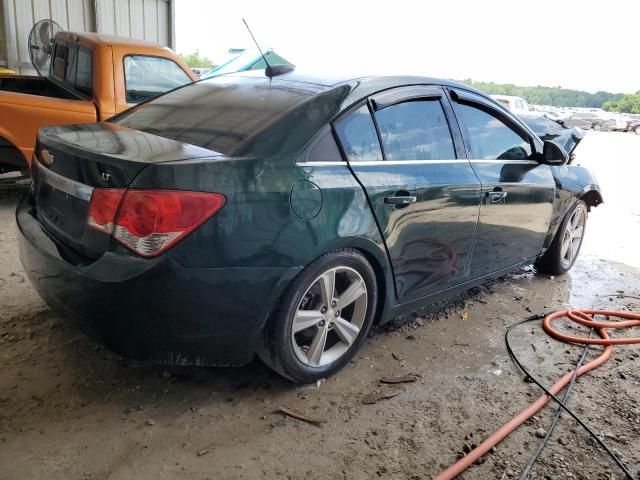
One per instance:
(71, 410)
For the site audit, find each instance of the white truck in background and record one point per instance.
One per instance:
(513, 103)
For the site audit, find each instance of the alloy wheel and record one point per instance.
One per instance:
(572, 236)
(329, 316)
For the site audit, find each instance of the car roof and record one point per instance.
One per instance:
(362, 82)
(104, 39)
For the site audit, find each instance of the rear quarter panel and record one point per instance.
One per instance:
(257, 227)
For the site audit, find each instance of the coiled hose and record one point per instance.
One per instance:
(584, 318)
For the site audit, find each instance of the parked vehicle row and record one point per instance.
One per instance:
(633, 125)
(548, 129)
(584, 118)
(285, 216)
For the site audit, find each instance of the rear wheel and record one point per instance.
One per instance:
(636, 130)
(564, 249)
(597, 127)
(323, 317)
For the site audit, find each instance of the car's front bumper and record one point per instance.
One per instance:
(155, 309)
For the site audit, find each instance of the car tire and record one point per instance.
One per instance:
(565, 247)
(597, 127)
(293, 351)
(636, 130)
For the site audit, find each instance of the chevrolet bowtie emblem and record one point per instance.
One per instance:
(46, 157)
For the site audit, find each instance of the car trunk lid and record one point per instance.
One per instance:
(71, 161)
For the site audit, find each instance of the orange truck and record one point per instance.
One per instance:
(91, 78)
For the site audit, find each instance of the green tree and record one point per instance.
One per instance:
(556, 96)
(627, 104)
(195, 60)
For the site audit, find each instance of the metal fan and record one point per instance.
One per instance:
(41, 39)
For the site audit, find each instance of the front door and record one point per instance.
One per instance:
(424, 195)
(517, 191)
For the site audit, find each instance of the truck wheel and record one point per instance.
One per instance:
(323, 318)
(564, 249)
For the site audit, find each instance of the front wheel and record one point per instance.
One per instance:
(597, 127)
(323, 317)
(636, 130)
(564, 249)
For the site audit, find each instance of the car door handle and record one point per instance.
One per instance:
(496, 195)
(400, 200)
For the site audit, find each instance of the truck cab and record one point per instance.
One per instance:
(91, 78)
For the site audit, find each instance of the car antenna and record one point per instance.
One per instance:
(270, 71)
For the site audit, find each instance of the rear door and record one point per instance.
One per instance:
(424, 194)
(517, 191)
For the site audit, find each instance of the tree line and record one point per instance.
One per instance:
(556, 96)
(627, 104)
(196, 60)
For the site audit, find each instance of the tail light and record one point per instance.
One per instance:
(149, 222)
(103, 208)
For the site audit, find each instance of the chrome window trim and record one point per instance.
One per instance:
(66, 185)
(382, 162)
(523, 162)
(321, 164)
(411, 162)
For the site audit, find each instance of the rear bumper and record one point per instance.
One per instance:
(155, 309)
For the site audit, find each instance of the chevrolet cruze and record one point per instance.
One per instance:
(284, 216)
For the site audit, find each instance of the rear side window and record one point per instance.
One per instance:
(146, 77)
(415, 130)
(84, 73)
(358, 136)
(489, 137)
(73, 66)
(322, 149)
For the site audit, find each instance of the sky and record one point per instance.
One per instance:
(586, 45)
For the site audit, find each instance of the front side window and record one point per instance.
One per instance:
(415, 130)
(358, 137)
(489, 137)
(146, 77)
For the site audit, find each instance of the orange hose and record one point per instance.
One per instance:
(582, 317)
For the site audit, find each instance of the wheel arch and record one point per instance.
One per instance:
(382, 282)
(373, 253)
(11, 155)
(592, 198)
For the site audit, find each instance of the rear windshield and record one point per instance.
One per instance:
(223, 114)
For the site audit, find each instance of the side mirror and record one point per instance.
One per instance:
(554, 154)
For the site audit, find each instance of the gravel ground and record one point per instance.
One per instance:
(71, 410)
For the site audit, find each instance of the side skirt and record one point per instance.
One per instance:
(404, 308)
